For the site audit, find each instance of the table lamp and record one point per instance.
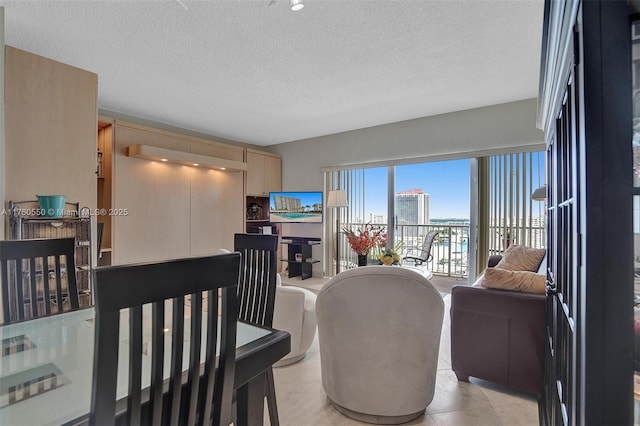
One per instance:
(337, 199)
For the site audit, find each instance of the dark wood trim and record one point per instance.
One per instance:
(606, 207)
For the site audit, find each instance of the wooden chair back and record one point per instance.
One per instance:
(257, 283)
(38, 277)
(201, 395)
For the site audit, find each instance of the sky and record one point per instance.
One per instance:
(446, 182)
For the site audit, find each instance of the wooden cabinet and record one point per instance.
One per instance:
(51, 113)
(104, 187)
(264, 173)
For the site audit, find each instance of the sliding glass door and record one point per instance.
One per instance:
(408, 201)
(411, 200)
(434, 197)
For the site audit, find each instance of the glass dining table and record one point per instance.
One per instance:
(46, 369)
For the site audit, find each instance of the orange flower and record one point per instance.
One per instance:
(363, 240)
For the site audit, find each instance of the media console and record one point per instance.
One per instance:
(299, 255)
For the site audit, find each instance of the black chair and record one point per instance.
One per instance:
(24, 264)
(257, 293)
(203, 394)
(424, 252)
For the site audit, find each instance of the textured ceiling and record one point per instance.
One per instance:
(256, 72)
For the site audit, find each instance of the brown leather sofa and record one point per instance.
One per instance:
(498, 335)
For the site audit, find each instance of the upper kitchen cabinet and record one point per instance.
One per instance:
(264, 173)
(51, 116)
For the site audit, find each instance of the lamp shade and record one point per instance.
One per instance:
(540, 194)
(337, 198)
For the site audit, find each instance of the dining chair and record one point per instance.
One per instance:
(24, 264)
(423, 252)
(201, 395)
(257, 293)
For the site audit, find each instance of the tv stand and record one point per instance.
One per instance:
(299, 255)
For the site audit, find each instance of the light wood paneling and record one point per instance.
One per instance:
(216, 209)
(264, 173)
(255, 173)
(2, 157)
(173, 210)
(50, 131)
(172, 140)
(272, 173)
(156, 196)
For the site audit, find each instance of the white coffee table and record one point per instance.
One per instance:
(424, 271)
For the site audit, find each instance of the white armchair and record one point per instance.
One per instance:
(295, 312)
(379, 329)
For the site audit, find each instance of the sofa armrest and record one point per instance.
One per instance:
(507, 303)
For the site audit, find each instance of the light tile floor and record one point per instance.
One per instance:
(302, 401)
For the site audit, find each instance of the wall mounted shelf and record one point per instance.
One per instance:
(155, 153)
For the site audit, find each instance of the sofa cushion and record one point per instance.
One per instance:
(504, 279)
(521, 258)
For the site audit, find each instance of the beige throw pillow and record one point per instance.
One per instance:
(521, 258)
(504, 279)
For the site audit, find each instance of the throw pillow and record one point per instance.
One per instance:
(521, 258)
(504, 279)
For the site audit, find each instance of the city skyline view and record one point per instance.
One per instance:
(447, 186)
(446, 182)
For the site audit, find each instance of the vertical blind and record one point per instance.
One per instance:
(353, 182)
(513, 217)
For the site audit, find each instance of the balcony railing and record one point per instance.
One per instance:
(450, 249)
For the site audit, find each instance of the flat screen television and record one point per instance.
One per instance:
(295, 207)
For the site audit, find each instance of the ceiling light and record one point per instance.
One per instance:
(223, 168)
(164, 159)
(196, 164)
(296, 5)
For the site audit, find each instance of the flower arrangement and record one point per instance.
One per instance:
(386, 255)
(363, 240)
(389, 257)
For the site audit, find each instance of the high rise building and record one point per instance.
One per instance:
(282, 203)
(377, 218)
(412, 207)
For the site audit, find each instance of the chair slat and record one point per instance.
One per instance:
(177, 344)
(20, 289)
(226, 358)
(105, 362)
(58, 275)
(209, 370)
(5, 285)
(47, 292)
(194, 356)
(33, 289)
(157, 361)
(134, 399)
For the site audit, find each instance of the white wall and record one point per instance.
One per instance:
(459, 134)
